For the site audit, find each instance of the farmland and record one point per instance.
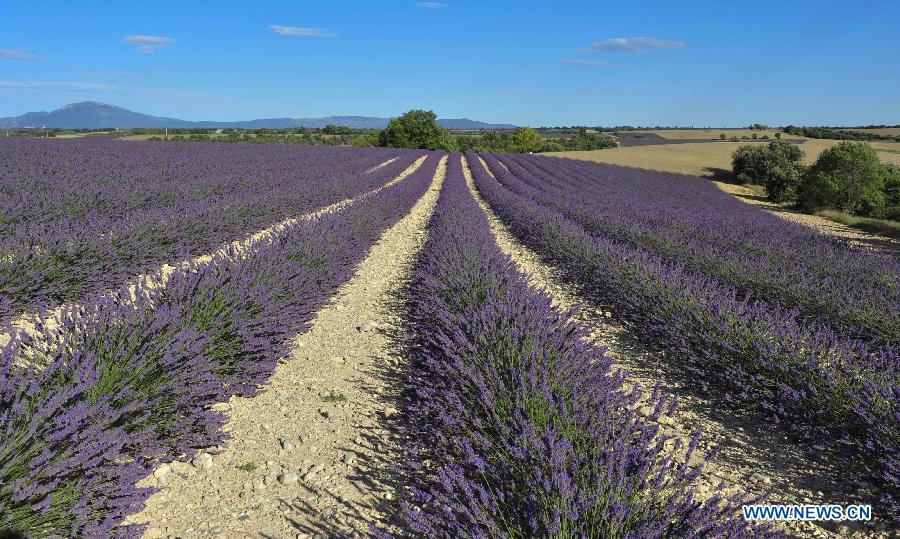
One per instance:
(705, 159)
(216, 340)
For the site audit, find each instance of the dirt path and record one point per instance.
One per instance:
(852, 235)
(28, 322)
(756, 455)
(310, 455)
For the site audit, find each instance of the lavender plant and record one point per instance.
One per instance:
(690, 221)
(806, 375)
(82, 216)
(89, 407)
(520, 426)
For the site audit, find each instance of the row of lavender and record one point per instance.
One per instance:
(520, 428)
(757, 352)
(691, 221)
(85, 215)
(90, 408)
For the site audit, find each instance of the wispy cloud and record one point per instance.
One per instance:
(634, 44)
(299, 31)
(148, 44)
(19, 55)
(588, 63)
(54, 85)
(431, 5)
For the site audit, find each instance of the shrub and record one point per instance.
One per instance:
(370, 138)
(748, 163)
(777, 165)
(784, 170)
(847, 177)
(722, 136)
(892, 193)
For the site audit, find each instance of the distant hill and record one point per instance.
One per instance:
(90, 114)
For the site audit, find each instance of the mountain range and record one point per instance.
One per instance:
(91, 114)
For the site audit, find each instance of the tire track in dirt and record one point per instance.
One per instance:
(756, 456)
(312, 453)
(29, 322)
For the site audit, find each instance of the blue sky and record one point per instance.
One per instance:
(698, 63)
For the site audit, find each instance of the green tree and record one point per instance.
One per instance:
(778, 166)
(847, 177)
(892, 193)
(370, 138)
(783, 170)
(417, 129)
(748, 163)
(526, 139)
(332, 129)
(722, 136)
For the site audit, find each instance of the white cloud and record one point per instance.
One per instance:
(298, 31)
(431, 5)
(19, 55)
(634, 44)
(588, 63)
(54, 85)
(148, 44)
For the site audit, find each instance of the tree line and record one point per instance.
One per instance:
(838, 134)
(414, 129)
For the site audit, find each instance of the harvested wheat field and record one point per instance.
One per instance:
(706, 159)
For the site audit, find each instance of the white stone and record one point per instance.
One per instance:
(162, 470)
(203, 461)
(288, 478)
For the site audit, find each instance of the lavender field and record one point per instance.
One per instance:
(502, 415)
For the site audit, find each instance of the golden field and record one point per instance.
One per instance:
(705, 159)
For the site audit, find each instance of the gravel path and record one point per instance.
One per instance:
(311, 454)
(852, 235)
(756, 456)
(28, 322)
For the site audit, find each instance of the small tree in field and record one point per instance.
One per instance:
(778, 166)
(417, 129)
(748, 163)
(847, 177)
(721, 136)
(784, 170)
(526, 139)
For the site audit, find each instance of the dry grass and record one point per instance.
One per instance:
(883, 227)
(705, 159)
